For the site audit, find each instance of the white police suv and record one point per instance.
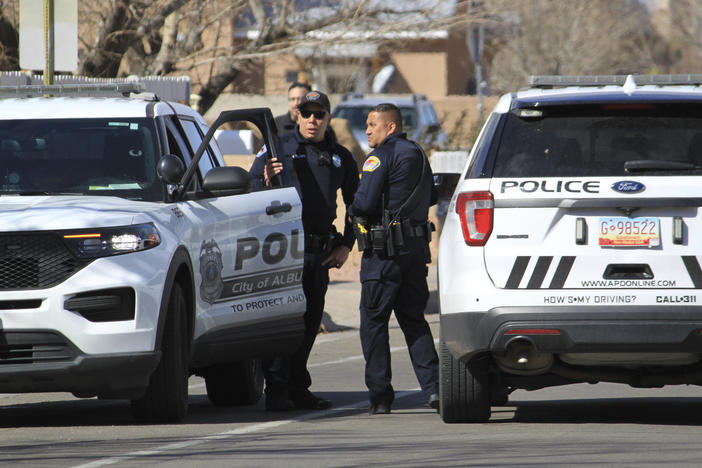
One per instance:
(571, 251)
(131, 257)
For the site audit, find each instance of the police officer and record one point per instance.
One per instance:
(286, 122)
(318, 167)
(391, 206)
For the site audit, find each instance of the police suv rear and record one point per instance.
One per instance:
(570, 252)
(131, 257)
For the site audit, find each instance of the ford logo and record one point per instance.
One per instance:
(628, 186)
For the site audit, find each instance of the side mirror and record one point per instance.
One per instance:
(227, 180)
(445, 184)
(170, 169)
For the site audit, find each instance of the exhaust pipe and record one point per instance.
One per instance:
(522, 358)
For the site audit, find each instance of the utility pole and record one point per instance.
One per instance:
(49, 44)
(475, 39)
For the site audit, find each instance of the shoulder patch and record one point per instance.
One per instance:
(336, 159)
(371, 164)
(262, 151)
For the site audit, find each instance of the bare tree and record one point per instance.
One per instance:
(213, 41)
(680, 23)
(9, 36)
(568, 37)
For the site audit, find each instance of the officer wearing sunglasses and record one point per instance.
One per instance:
(317, 166)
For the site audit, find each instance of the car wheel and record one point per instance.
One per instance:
(166, 397)
(463, 390)
(233, 384)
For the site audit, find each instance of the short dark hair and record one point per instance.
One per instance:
(393, 110)
(298, 84)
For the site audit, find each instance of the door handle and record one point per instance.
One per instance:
(277, 207)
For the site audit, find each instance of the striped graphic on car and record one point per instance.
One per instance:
(693, 269)
(539, 274)
(565, 264)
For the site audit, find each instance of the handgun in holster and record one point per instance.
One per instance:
(431, 227)
(362, 233)
(389, 234)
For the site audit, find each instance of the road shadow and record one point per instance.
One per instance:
(95, 412)
(643, 410)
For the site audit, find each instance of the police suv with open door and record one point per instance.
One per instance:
(131, 257)
(571, 249)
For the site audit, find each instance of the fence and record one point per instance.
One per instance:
(165, 87)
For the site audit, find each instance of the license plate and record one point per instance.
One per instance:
(630, 232)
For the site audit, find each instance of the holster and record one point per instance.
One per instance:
(361, 231)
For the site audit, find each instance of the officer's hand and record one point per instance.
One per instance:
(272, 169)
(337, 257)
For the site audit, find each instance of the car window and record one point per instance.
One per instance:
(178, 147)
(214, 148)
(409, 118)
(85, 156)
(481, 149)
(195, 139)
(598, 140)
(356, 115)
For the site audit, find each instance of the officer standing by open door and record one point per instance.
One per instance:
(390, 215)
(318, 167)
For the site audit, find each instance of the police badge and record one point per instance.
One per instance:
(211, 271)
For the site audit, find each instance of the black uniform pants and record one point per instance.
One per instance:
(288, 374)
(397, 283)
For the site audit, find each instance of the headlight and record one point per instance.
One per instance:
(103, 242)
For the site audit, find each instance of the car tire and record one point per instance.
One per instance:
(235, 384)
(166, 397)
(464, 395)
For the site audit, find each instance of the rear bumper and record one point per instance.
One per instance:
(593, 329)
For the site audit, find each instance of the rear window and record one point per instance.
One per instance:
(599, 141)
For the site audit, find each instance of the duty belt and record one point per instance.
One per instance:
(414, 231)
(318, 241)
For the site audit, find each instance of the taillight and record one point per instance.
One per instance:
(475, 210)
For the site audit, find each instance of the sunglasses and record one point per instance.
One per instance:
(317, 114)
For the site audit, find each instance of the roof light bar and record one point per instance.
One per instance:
(550, 81)
(76, 89)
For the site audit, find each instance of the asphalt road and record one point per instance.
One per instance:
(581, 425)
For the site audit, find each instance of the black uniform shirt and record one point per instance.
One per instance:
(317, 170)
(393, 170)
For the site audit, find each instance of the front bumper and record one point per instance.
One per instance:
(45, 361)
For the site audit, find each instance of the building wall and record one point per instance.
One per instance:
(420, 72)
(277, 71)
(434, 68)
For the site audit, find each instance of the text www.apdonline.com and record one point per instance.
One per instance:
(628, 283)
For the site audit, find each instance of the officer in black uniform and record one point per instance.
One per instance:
(318, 167)
(390, 211)
(286, 122)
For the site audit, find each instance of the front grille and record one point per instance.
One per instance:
(35, 260)
(34, 348)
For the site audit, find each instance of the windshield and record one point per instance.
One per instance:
(82, 156)
(357, 115)
(600, 140)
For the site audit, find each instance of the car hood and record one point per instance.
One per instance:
(33, 213)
